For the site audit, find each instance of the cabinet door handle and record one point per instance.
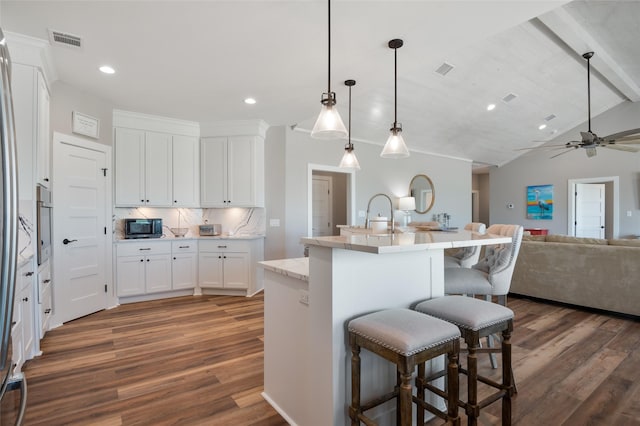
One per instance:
(175, 201)
(142, 201)
(47, 311)
(184, 246)
(141, 260)
(46, 281)
(222, 246)
(147, 201)
(224, 257)
(28, 274)
(26, 299)
(46, 179)
(219, 257)
(174, 258)
(147, 260)
(148, 248)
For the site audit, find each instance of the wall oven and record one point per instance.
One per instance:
(43, 226)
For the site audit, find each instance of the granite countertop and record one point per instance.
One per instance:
(295, 268)
(194, 237)
(405, 242)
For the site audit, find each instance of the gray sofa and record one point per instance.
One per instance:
(601, 274)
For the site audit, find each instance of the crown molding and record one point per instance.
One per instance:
(138, 120)
(32, 51)
(234, 128)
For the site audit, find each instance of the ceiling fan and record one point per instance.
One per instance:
(590, 141)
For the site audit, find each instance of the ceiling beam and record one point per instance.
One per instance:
(564, 25)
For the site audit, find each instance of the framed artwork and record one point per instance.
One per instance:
(540, 202)
(86, 125)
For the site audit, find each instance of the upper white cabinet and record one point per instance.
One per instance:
(232, 171)
(156, 161)
(31, 108)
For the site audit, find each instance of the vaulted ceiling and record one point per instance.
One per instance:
(198, 60)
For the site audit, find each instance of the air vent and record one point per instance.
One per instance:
(549, 117)
(444, 68)
(65, 39)
(509, 98)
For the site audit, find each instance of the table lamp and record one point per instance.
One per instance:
(406, 204)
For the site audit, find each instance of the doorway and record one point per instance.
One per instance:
(597, 201)
(340, 184)
(82, 227)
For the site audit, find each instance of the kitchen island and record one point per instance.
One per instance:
(307, 360)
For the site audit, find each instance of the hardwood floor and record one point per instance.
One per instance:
(199, 361)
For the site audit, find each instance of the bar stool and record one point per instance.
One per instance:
(407, 339)
(477, 319)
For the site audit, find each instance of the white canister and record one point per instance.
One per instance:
(379, 224)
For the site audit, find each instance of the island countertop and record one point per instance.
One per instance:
(406, 242)
(295, 268)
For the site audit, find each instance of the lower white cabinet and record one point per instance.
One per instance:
(44, 297)
(143, 268)
(230, 265)
(23, 330)
(184, 271)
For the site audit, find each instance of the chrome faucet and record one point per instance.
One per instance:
(393, 220)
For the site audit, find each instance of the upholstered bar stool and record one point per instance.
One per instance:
(466, 257)
(477, 319)
(407, 339)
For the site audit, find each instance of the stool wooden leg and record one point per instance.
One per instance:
(397, 390)
(507, 377)
(405, 399)
(420, 380)
(473, 412)
(354, 410)
(453, 388)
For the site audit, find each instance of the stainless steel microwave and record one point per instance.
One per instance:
(143, 228)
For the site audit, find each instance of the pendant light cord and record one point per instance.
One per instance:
(329, 50)
(395, 87)
(589, 90)
(349, 145)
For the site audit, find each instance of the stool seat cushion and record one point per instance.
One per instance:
(404, 331)
(465, 312)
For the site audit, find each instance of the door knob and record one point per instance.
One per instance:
(66, 241)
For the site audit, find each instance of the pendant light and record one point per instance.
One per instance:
(395, 146)
(329, 125)
(349, 160)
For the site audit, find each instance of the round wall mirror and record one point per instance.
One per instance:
(421, 188)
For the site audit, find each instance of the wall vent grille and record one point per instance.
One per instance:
(65, 39)
(509, 98)
(444, 69)
(549, 117)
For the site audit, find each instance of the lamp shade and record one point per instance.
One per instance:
(329, 125)
(407, 203)
(349, 160)
(395, 146)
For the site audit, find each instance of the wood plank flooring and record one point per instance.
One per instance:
(199, 361)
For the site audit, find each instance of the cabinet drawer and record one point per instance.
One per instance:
(144, 248)
(224, 246)
(184, 246)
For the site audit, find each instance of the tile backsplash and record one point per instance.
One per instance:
(235, 221)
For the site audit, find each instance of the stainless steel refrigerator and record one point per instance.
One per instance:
(8, 230)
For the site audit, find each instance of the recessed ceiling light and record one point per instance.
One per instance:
(491, 107)
(107, 69)
(542, 127)
(250, 101)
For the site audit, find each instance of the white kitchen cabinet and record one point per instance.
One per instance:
(31, 117)
(184, 268)
(230, 266)
(156, 169)
(45, 306)
(232, 171)
(186, 171)
(143, 268)
(23, 331)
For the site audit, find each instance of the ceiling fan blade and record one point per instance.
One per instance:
(558, 155)
(628, 139)
(621, 134)
(540, 147)
(622, 148)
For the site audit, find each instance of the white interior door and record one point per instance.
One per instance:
(321, 204)
(590, 210)
(80, 230)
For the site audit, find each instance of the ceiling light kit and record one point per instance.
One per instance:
(491, 107)
(329, 125)
(107, 69)
(349, 160)
(395, 146)
(250, 101)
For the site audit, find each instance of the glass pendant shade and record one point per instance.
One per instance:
(395, 146)
(329, 125)
(349, 160)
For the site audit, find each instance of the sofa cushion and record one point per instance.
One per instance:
(625, 243)
(533, 237)
(575, 240)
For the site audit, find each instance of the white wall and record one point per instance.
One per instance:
(509, 182)
(65, 99)
(451, 179)
(274, 183)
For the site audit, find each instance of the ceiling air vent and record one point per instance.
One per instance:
(509, 98)
(549, 117)
(444, 68)
(65, 39)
